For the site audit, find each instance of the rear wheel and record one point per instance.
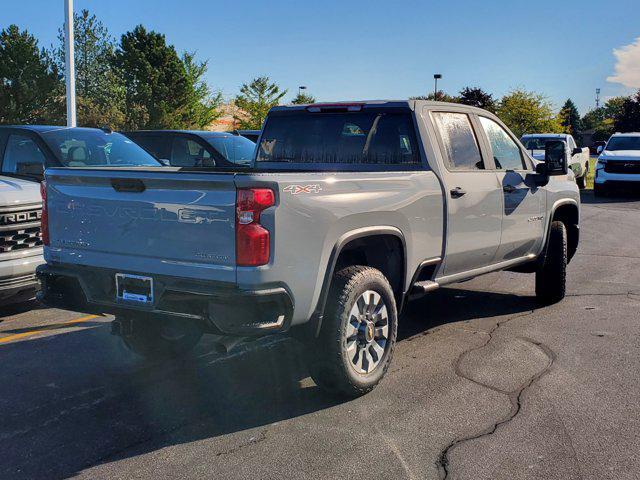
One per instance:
(551, 276)
(161, 339)
(358, 333)
(581, 181)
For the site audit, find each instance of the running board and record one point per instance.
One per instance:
(420, 289)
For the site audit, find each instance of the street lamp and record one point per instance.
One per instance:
(300, 88)
(69, 59)
(436, 76)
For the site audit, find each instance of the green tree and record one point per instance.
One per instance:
(100, 91)
(255, 101)
(202, 106)
(476, 97)
(303, 99)
(440, 96)
(628, 118)
(157, 89)
(527, 112)
(30, 87)
(593, 118)
(570, 118)
(603, 119)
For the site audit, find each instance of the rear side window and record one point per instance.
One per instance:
(506, 152)
(340, 138)
(459, 141)
(22, 156)
(158, 145)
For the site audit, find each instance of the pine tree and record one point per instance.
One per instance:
(30, 87)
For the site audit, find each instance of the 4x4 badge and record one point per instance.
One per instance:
(296, 189)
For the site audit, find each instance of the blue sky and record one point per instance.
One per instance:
(359, 49)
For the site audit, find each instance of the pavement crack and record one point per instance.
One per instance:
(515, 396)
(261, 437)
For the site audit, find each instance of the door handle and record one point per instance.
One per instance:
(509, 188)
(457, 192)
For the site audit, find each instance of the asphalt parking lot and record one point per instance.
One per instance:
(484, 385)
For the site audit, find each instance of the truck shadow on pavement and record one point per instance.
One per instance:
(77, 400)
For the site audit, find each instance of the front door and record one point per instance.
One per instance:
(474, 196)
(524, 202)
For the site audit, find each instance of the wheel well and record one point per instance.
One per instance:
(568, 214)
(383, 252)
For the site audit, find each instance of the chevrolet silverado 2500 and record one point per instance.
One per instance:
(348, 211)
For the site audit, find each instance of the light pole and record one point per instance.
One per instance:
(69, 57)
(436, 76)
(300, 88)
(597, 98)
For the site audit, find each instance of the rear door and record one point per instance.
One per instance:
(474, 196)
(524, 202)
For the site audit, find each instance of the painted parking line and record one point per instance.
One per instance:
(18, 336)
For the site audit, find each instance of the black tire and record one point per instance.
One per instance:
(582, 182)
(331, 365)
(162, 339)
(551, 276)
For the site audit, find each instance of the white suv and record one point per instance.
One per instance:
(618, 163)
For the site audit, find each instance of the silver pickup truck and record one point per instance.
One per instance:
(349, 211)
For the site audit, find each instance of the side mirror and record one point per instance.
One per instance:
(555, 158)
(576, 151)
(541, 178)
(599, 149)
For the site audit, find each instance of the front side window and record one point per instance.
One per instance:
(459, 141)
(189, 153)
(22, 156)
(506, 153)
(369, 137)
(79, 147)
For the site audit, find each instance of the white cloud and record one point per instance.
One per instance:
(627, 65)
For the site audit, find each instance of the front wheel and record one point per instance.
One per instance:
(358, 333)
(161, 339)
(551, 276)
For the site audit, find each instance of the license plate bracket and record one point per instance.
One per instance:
(136, 289)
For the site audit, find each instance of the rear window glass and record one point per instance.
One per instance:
(347, 138)
(95, 148)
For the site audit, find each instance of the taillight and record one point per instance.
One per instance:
(252, 239)
(44, 228)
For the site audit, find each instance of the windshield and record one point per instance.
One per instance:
(623, 143)
(79, 147)
(537, 143)
(368, 137)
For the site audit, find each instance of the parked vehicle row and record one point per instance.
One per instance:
(577, 158)
(346, 212)
(618, 164)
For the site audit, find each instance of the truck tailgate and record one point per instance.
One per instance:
(157, 222)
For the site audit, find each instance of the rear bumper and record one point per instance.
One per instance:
(222, 308)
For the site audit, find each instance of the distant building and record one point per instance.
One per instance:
(226, 122)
